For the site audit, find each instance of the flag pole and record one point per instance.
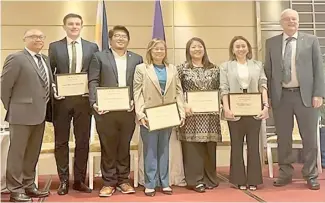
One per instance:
(173, 29)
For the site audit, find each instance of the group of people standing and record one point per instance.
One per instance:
(291, 81)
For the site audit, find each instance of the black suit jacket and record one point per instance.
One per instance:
(103, 72)
(59, 57)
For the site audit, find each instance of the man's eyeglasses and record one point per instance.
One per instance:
(36, 37)
(120, 36)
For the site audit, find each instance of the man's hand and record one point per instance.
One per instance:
(99, 112)
(317, 102)
(132, 106)
(56, 96)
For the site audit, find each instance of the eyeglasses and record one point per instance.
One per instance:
(36, 37)
(120, 36)
(288, 19)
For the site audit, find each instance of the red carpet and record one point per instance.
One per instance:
(295, 192)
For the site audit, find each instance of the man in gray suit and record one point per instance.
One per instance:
(293, 66)
(114, 68)
(71, 54)
(26, 84)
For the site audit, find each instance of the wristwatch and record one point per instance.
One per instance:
(266, 105)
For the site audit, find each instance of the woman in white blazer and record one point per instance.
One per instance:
(241, 74)
(156, 82)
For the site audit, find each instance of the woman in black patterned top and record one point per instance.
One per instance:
(202, 131)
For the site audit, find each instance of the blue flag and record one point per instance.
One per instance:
(158, 23)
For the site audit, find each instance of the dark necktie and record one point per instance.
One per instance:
(43, 75)
(74, 57)
(287, 61)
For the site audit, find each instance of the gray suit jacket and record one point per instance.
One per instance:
(23, 91)
(229, 79)
(59, 57)
(308, 65)
(103, 72)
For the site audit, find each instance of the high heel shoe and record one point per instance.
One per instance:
(167, 191)
(150, 192)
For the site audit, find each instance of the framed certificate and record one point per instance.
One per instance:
(203, 101)
(72, 84)
(249, 104)
(113, 98)
(163, 116)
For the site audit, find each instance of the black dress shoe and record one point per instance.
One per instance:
(199, 189)
(282, 182)
(63, 188)
(19, 197)
(81, 187)
(34, 192)
(313, 184)
(210, 187)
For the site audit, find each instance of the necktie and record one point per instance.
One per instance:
(287, 61)
(74, 57)
(43, 76)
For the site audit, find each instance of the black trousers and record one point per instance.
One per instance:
(78, 108)
(115, 130)
(249, 127)
(199, 159)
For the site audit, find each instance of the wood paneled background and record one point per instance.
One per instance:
(216, 22)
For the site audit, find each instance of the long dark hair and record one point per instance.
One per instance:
(205, 60)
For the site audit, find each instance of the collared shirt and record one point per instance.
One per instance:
(121, 68)
(78, 51)
(44, 64)
(294, 80)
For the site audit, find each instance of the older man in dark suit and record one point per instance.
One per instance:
(26, 84)
(71, 55)
(293, 66)
(114, 68)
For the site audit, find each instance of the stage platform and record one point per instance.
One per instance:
(295, 192)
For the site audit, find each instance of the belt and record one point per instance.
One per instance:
(291, 89)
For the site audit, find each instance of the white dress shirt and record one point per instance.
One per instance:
(44, 64)
(121, 68)
(243, 75)
(78, 51)
(294, 81)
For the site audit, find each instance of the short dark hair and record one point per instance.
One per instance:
(118, 28)
(231, 47)
(71, 15)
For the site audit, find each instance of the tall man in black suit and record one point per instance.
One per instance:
(71, 55)
(114, 68)
(26, 84)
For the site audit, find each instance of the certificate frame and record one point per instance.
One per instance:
(114, 88)
(146, 110)
(257, 95)
(67, 75)
(205, 91)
